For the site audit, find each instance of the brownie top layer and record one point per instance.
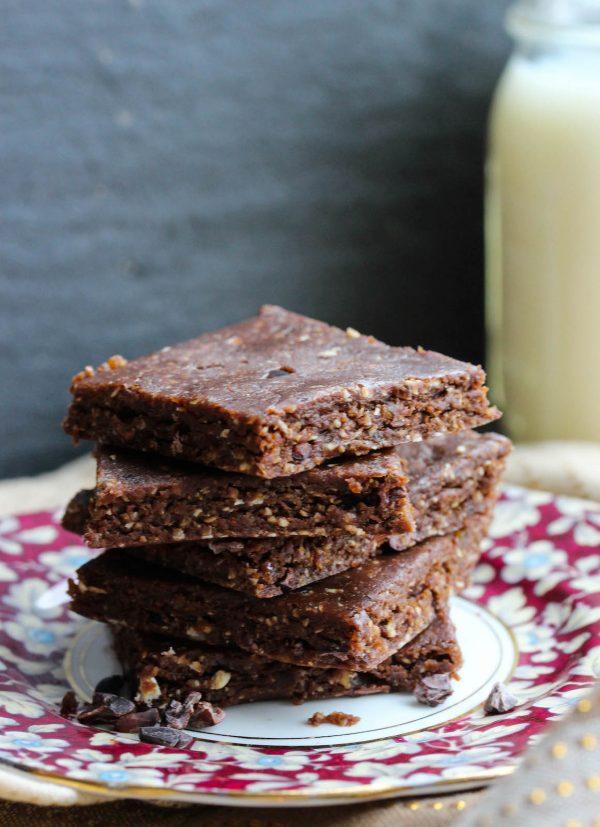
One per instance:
(270, 364)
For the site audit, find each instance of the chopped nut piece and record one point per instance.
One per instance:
(148, 689)
(87, 372)
(113, 363)
(220, 679)
(345, 678)
(389, 629)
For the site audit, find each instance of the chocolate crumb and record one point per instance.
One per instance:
(433, 689)
(500, 700)
(335, 718)
(69, 705)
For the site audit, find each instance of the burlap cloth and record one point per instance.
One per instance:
(564, 468)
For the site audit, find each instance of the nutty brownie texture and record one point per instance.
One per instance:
(263, 567)
(226, 676)
(355, 619)
(274, 395)
(452, 477)
(140, 500)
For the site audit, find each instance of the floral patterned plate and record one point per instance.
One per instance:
(539, 578)
(489, 652)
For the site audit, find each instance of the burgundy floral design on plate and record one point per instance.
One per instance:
(539, 575)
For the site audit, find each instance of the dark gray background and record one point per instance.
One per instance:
(167, 166)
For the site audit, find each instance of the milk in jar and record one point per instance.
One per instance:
(543, 225)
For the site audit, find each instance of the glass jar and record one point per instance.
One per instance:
(543, 224)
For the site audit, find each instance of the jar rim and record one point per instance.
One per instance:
(534, 23)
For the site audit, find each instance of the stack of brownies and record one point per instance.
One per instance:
(286, 508)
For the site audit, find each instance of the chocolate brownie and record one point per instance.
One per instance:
(172, 668)
(355, 619)
(140, 500)
(274, 395)
(452, 478)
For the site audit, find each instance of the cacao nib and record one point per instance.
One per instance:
(103, 698)
(301, 452)
(177, 715)
(433, 689)
(206, 714)
(184, 740)
(105, 709)
(500, 700)
(164, 736)
(134, 721)
(95, 715)
(192, 699)
(69, 705)
(121, 706)
(272, 374)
